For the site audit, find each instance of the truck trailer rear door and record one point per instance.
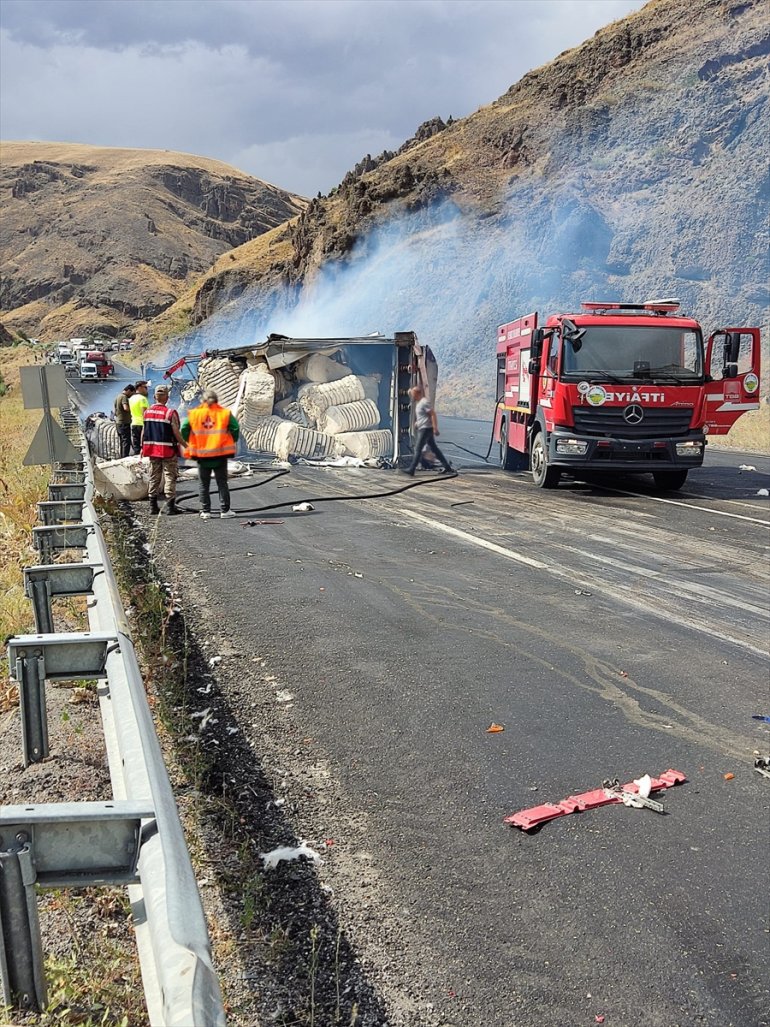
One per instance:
(732, 361)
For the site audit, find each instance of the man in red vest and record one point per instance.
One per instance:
(211, 433)
(161, 442)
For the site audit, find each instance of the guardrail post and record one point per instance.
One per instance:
(21, 946)
(30, 674)
(39, 591)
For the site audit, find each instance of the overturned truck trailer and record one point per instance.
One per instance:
(318, 399)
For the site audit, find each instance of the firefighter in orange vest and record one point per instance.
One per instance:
(211, 433)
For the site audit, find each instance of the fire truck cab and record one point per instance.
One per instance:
(621, 387)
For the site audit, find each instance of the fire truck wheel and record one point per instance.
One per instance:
(508, 456)
(544, 477)
(668, 481)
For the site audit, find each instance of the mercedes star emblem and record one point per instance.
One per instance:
(633, 414)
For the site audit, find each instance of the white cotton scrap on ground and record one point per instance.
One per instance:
(206, 717)
(214, 661)
(284, 696)
(285, 852)
(763, 492)
(747, 467)
(644, 784)
(302, 508)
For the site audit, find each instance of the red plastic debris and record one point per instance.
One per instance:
(527, 819)
(598, 1019)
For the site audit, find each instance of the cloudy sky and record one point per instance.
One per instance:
(292, 91)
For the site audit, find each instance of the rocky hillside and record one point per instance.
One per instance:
(632, 166)
(96, 240)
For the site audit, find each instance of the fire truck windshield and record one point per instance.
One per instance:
(644, 352)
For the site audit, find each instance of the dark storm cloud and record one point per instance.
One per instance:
(291, 91)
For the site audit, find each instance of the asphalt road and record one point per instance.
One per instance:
(612, 631)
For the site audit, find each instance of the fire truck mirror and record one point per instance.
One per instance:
(732, 348)
(730, 371)
(533, 368)
(572, 333)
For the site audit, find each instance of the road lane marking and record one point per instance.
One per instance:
(627, 597)
(658, 499)
(688, 506)
(493, 547)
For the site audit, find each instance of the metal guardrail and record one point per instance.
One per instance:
(135, 839)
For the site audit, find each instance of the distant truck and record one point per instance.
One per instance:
(104, 367)
(621, 387)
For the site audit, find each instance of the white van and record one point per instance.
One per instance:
(88, 372)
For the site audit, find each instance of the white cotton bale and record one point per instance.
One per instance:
(294, 440)
(349, 417)
(367, 445)
(221, 375)
(123, 479)
(314, 399)
(189, 391)
(102, 435)
(292, 411)
(261, 436)
(257, 392)
(321, 369)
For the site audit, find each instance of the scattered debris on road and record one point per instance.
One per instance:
(764, 492)
(253, 524)
(527, 819)
(760, 716)
(287, 853)
(747, 467)
(729, 777)
(495, 729)
(762, 765)
(582, 592)
(302, 508)
(640, 799)
(464, 502)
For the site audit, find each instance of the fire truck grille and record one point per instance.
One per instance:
(608, 421)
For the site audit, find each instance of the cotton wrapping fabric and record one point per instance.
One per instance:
(294, 440)
(257, 396)
(102, 436)
(319, 369)
(315, 399)
(349, 417)
(261, 436)
(223, 376)
(292, 411)
(367, 445)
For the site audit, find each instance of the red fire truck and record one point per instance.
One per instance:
(620, 387)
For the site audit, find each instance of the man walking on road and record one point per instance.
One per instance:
(161, 442)
(211, 433)
(122, 412)
(138, 403)
(426, 425)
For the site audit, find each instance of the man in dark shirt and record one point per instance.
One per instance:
(122, 413)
